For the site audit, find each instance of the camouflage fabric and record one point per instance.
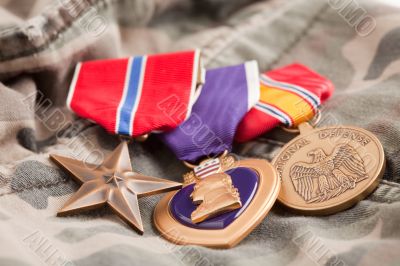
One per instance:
(354, 43)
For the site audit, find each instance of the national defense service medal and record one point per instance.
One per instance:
(235, 197)
(329, 169)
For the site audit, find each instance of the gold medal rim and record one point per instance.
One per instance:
(345, 203)
(262, 202)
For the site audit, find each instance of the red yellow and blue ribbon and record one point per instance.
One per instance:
(288, 96)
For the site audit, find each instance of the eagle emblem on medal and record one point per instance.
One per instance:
(329, 169)
(221, 202)
(328, 176)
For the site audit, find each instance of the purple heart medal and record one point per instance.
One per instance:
(223, 199)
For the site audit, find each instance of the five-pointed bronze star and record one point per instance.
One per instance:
(112, 183)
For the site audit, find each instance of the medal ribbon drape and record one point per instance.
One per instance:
(288, 96)
(227, 95)
(122, 95)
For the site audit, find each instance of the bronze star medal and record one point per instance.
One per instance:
(113, 183)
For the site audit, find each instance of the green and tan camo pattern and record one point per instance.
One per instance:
(40, 43)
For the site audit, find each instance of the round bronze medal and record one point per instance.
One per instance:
(328, 169)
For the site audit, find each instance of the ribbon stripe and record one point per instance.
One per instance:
(132, 94)
(274, 111)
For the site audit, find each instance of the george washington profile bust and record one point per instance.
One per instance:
(214, 195)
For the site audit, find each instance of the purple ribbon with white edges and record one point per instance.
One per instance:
(227, 95)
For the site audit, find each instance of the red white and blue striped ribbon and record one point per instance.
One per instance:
(124, 95)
